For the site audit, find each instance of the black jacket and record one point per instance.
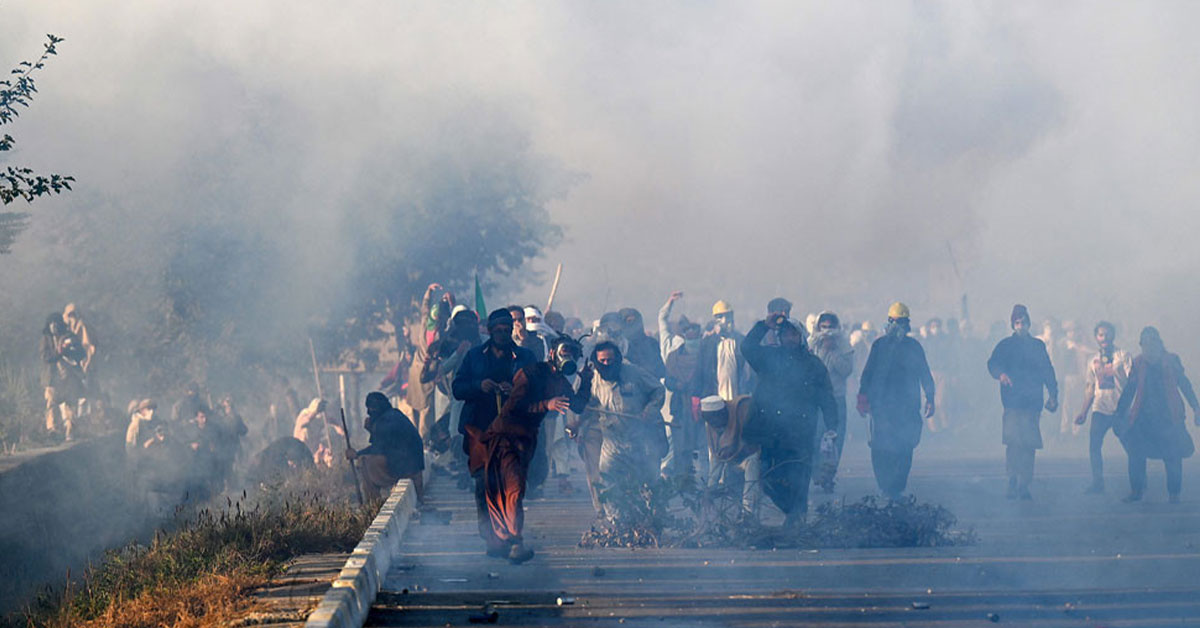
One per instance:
(1024, 359)
(394, 437)
(893, 377)
(793, 387)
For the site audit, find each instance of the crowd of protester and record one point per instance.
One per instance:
(514, 397)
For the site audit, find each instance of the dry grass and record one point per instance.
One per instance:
(199, 572)
(213, 600)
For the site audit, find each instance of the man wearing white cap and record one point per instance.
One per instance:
(735, 463)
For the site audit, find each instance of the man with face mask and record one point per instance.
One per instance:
(889, 393)
(525, 337)
(629, 413)
(395, 452)
(1022, 366)
(721, 369)
(780, 305)
(536, 326)
(511, 440)
(584, 428)
(1107, 374)
(793, 392)
(483, 382)
(830, 345)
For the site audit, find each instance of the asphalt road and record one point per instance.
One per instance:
(1065, 559)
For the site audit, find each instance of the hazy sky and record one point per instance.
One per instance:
(833, 153)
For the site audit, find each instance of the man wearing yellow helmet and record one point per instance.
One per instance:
(890, 394)
(721, 369)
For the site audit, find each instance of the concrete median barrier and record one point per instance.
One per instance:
(348, 601)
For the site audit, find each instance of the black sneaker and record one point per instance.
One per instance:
(1096, 488)
(498, 552)
(1132, 497)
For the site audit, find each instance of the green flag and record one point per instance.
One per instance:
(480, 308)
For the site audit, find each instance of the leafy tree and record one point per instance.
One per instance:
(18, 182)
(477, 208)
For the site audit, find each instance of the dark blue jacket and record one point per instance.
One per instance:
(479, 364)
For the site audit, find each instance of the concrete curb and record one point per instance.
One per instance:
(348, 601)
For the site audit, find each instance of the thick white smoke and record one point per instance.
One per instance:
(835, 154)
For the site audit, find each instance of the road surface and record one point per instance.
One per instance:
(1065, 559)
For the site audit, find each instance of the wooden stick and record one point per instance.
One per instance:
(320, 395)
(342, 392)
(623, 415)
(554, 288)
(353, 469)
(316, 374)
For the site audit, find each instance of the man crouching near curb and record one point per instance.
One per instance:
(395, 453)
(512, 438)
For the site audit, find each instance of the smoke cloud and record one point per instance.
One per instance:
(840, 155)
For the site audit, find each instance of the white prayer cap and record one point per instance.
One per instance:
(712, 403)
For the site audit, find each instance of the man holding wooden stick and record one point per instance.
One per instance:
(395, 453)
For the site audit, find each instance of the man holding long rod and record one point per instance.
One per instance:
(349, 448)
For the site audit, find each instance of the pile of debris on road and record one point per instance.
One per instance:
(718, 521)
(870, 522)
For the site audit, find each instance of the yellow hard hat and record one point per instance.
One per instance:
(898, 310)
(721, 307)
